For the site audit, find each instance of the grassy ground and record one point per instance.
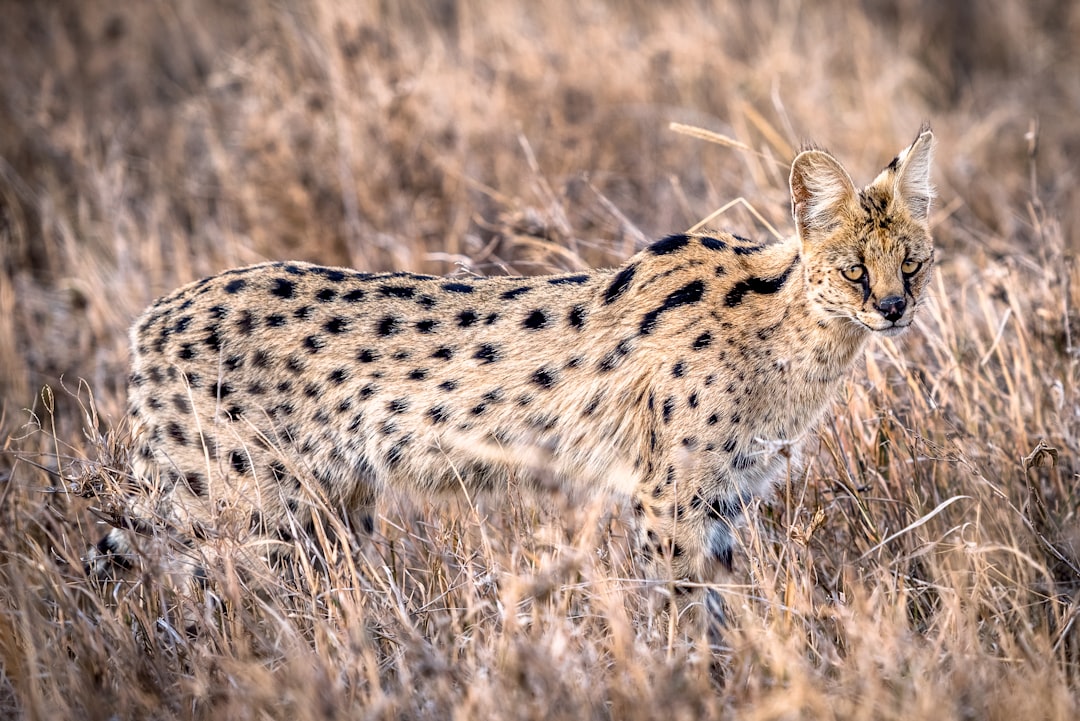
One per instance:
(927, 566)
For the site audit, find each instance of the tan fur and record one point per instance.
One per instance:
(271, 394)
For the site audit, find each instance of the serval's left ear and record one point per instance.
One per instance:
(911, 175)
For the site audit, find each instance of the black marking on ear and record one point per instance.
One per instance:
(763, 286)
(620, 283)
(669, 245)
(690, 293)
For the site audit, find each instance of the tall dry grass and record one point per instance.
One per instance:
(927, 564)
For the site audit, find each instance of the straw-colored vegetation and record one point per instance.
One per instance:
(926, 566)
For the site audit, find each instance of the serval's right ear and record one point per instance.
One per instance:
(820, 190)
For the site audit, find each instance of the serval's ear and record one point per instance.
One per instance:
(911, 184)
(820, 190)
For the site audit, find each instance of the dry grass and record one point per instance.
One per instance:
(921, 569)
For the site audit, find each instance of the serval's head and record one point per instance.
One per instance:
(867, 254)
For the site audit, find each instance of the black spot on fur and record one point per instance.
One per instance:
(388, 325)
(535, 320)
(457, 288)
(593, 404)
(176, 433)
(466, 318)
(741, 462)
(182, 324)
(545, 377)
(576, 316)
(338, 376)
(490, 320)
(515, 292)
(569, 280)
(690, 293)
(397, 291)
(186, 352)
(314, 343)
(245, 324)
(331, 274)
(196, 483)
(619, 284)
(702, 341)
(487, 353)
(427, 326)
(713, 419)
(220, 390)
(426, 301)
(213, 338)
(239, 462)
(398, 405)
(418, 374)
(764, 286)
(235, 286)
(612, 358)
(336, 325)
(678, 370)
(443, 353)
(438, 414)
(367, 356)
(303, 312)
(669, 244)
(283, 288)
(714, 244)
(233, 362)
(669, 408)
(448, 385)
(275, 320)
(353, 296)
(368, 391)
(326, 295)
(747, 249)
(397, 452)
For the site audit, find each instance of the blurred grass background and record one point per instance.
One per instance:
(145, 145)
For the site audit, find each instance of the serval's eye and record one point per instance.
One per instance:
(854, 273)
(910, 267)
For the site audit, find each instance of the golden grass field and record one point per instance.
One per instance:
(927, 566)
